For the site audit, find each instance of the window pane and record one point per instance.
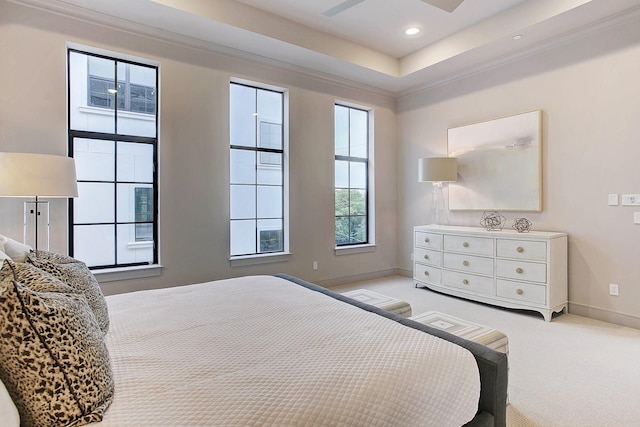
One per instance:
(242, 114)
(269, 202)
(243, 237)
(358, 175)
(94, 159)
(135, 203)
(95, 203)
(270, 173)
(342, 231)
(358, 229)
(341, 130)
(137, 93)
(135, 162)
(342, 202)
(243, 201)
(358, 202)
(130, 250)
(270, 236)
(85, 248)
(91, 96)
(358, 133)
(270, 135)
(342, 174)
(243, 167)
(269, 106)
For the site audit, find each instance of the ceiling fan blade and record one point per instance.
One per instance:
(341, 7)
(448, 5)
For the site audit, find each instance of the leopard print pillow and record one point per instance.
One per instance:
(53, 359)
(76, 274)
(33, 278)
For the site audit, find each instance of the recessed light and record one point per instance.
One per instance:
(411, 31)
(517, 37)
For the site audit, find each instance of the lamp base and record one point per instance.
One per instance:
(439, 213)
(36, 224)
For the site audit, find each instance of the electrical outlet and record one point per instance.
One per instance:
(613, 289)
(315, 265)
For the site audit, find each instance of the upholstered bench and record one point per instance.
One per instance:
(492, 338)
(384, 302)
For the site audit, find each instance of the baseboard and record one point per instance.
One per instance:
(604, 315)
(357, 278)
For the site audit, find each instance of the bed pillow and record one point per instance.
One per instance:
(15, 250)
(76, 274)
(8, 412)
(33, 278)
(53, 360)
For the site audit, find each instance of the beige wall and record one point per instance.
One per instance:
(589, 91)
(194, 153)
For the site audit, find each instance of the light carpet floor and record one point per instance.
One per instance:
(572, 371)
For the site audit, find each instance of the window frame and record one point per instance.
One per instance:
(260, 257)
(136, 268)
(369, 243)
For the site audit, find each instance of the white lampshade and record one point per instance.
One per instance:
(437, 169)
(42, 175)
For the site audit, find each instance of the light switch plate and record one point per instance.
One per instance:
(613, 200)
(631, 200)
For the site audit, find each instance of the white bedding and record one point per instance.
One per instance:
(259, 350)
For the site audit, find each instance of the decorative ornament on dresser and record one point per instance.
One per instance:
(522, 225)
(492, 221)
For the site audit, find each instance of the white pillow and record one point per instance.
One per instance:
(15, 250)
(9, 416)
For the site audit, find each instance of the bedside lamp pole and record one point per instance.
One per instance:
(37, 175)
(438, 170)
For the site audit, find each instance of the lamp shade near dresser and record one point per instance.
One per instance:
(504, 268)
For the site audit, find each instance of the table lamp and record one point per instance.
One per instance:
(37, 175)
(438, 170)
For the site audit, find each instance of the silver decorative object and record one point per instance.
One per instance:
(522, 225)
(492, 220)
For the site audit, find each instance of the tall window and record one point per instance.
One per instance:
(258, 223)
(351, 175)
(113, 122)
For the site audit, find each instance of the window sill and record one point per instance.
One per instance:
(356, 249)
(126, 273)
(242, 261)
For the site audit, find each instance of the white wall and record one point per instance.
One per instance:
(194, 152)
(589, 91)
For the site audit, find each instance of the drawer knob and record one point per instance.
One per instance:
(426, 240)
(519, 270)
(465, 245)
(465, 282)
(519, 292)
(465, 263)
(426, 273)
(426, 257)
(520, 249)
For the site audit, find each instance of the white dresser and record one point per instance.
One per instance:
(504, 268)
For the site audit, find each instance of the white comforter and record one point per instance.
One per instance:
(262, 351)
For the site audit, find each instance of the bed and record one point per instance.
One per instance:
(279, 351)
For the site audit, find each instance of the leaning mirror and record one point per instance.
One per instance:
(499, 164)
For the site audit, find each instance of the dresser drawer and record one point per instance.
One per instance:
(468, 282)
(535, 251)
(524, 292)
(521, 270)
(428, 240)
(426, 273)
(469, 263)
(470, 245)
(428, 256)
